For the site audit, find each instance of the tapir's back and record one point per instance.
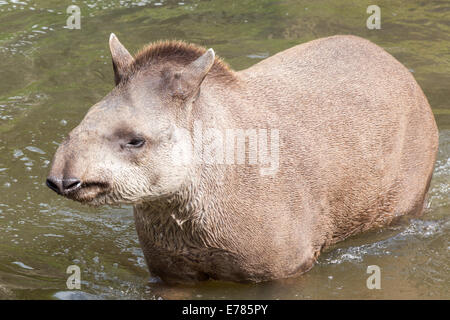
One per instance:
(355, 128)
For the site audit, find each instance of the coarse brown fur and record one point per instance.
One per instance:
(357, 146)
(178, 51)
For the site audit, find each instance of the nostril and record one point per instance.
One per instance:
(53, 184)
(70, 184)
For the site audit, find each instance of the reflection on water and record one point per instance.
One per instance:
(52, 75)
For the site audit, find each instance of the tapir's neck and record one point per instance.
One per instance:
(193, 215)
(215, 100)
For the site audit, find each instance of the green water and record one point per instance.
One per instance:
(50, 76)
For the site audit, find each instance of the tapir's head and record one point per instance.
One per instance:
(135, 144)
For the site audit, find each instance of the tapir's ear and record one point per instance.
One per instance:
(121, 58)
(187, 82)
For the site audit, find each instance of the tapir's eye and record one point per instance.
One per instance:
(136, 143)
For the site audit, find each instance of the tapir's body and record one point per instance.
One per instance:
(357, 146)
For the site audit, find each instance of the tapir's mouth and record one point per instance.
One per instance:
(92, 193)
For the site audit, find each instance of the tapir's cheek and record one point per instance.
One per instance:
(181, 154)
(181, 148)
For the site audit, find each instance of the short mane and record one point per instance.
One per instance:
(177, 51)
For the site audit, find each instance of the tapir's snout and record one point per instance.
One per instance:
(77, 189)
(63, 186)
(74, 176)
(65, 177)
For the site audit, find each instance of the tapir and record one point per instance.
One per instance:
(248, 175)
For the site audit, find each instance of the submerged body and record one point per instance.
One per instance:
(357, 146)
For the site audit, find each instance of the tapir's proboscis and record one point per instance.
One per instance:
(248, 175)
